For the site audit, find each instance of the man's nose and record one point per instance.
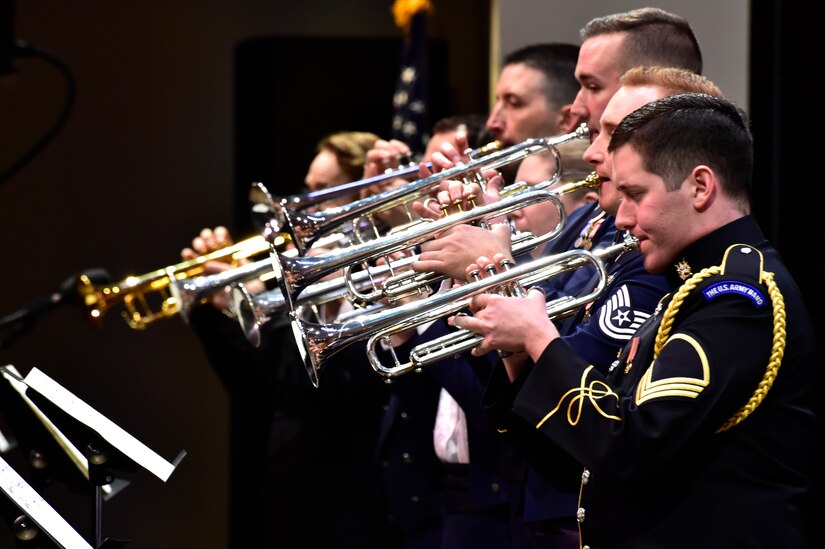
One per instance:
(494, 123)
(624, 220)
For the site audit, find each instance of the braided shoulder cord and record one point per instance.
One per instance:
(777, 349)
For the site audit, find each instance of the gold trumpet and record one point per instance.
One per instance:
(317, 343)
(140, 294)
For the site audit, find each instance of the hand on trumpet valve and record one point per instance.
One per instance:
(449, 155)
(385, 156)
(208, 240)
(448, 254)
(453, 196)
(510, 324)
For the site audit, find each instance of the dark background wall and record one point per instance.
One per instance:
(150, 155)
(146, 159)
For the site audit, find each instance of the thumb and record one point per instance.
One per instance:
(494, 185)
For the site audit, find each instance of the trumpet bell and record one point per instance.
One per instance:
(315, 342)
(265, 209)
(250, 316)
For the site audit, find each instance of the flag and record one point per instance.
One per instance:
(410, 122)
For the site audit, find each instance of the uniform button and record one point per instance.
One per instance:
(586, 547)
(495, 487)
(406, 458)
(404, 415)
(414, 499)
(585, 476)
(580, 515)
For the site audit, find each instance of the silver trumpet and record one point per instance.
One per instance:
(305, 227)
(255, 310)
(317, 343)
(274, 208)
(409, 282)
(296, 273)
(190, 292)
(462, 341)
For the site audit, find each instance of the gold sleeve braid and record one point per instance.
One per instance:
(777, 348)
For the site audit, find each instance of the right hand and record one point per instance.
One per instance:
(208, 241)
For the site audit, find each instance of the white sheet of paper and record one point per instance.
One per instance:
(88, 416)
(43, 514)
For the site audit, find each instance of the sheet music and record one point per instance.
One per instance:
(36, 508)
(88, 416)
(75, 455)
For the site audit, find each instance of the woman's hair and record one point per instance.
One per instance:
(350, 149)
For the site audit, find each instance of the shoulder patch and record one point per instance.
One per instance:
(617, 317)
(734, 287)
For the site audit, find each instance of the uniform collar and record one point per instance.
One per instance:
(709, 250)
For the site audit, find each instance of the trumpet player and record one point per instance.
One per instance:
(632, 294)
(711, 402)
(547, 502)
(436, 417)
(437, 497)
(283, 430)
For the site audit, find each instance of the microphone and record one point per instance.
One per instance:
(26, 317)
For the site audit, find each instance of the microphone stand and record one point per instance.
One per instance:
(19, 322)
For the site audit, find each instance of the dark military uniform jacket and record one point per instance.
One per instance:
(702, 433)
(414, 478)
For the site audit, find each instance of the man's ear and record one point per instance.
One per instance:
(567, 121)
(704, 187)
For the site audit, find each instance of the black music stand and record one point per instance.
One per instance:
(51, 457)
(108, 452)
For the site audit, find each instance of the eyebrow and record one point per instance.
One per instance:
(586, 77)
